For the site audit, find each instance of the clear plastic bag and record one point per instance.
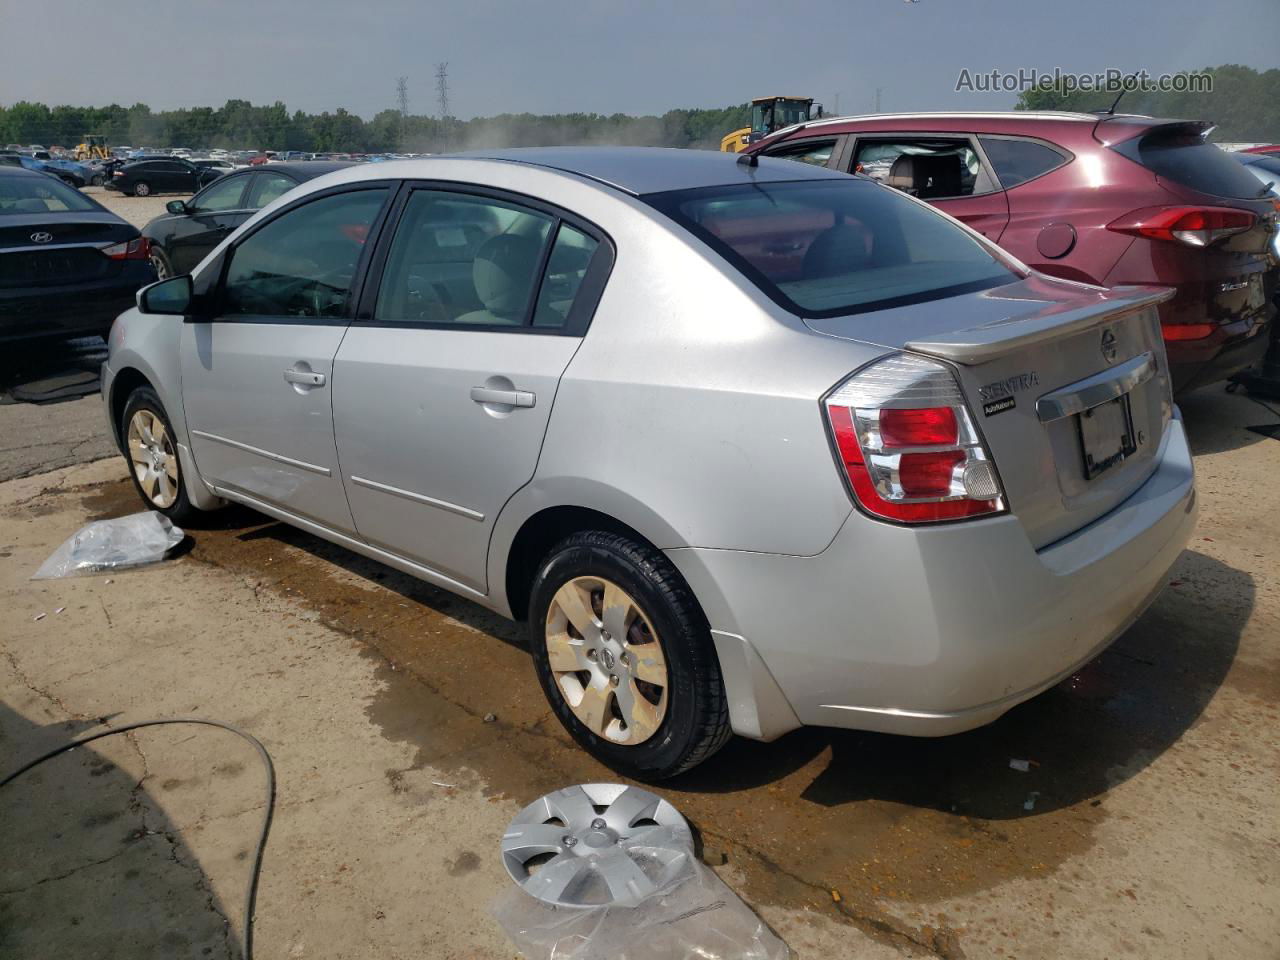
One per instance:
(695, 916)
(106, 545)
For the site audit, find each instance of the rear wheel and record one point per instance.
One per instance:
(625, 657)
(152, 453)
(98, 180)
(142, 189)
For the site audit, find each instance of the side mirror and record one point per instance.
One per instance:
(178, 207)
(170, 297)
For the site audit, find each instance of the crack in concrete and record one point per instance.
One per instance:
(68, 873)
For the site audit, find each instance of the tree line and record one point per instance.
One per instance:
(240, 125)
(1244, 103)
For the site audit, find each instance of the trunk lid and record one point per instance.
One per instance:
(68, 251)
(1054, 373)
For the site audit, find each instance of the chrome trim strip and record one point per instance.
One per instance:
(1083, 394)
(277, 457)
(41, 247)
(418, 498)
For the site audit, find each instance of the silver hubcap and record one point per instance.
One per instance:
(607, 660)
(598, 843)
(142, 189)
(162, 271)
(155, 463)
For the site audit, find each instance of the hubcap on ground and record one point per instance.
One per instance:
(595, 844)
(607, 660)
(154, 461)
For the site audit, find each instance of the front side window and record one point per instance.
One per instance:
(1017, 161)
(816, 152)
(462, 259)
(926, 168)
(271, 186)
(829, 247)
(223, 195)
(302, 263)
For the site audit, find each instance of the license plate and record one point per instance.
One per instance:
(1106, 435)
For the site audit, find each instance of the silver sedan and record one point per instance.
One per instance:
(748, 445)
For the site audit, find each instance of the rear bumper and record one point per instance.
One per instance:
(934, 631)
(30, 313)
(1193, 364)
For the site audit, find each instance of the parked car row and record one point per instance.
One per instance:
(1103, 200)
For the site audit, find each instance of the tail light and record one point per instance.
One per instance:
(908, 445)
(137, 249)
(1187, 331)
(1194, 226)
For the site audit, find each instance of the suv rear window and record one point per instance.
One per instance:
(823, 248)
(1184, 157)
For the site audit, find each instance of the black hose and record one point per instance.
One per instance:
(251, 893)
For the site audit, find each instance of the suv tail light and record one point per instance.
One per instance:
(908, 446)
(1194, 226)
(137, 249)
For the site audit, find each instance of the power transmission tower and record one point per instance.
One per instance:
(402, 100)
(879, 90)
(442, 97)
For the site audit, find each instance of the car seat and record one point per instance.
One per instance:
(503, 273)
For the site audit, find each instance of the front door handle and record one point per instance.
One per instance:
(304, 378)
(512, 398)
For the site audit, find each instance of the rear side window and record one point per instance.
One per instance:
(1017, 161)
(302, 263)
(926, 168)
(1185, 158)
(824, 248)
(566, 269)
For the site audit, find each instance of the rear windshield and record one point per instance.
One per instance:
(1185, 158)
(20, 195)
(824, 248)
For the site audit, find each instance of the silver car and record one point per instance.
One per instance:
(749, 446)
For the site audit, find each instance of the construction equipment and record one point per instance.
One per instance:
(93, 148)
(769, 114)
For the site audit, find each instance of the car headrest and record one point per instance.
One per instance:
(502, 270)
(841, 249)
(902, 175)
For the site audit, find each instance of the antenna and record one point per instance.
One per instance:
(1111, 110)
(442, 89)
(402, 101)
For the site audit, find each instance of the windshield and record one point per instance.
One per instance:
(829, 247)
(776, 114)
(1267, 170)
(41, 195)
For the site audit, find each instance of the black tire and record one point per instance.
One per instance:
(98, 180)
(141, 189)
(696, 723)
(144, 398)
(164, 269)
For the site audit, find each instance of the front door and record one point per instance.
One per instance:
(441, 399)
(945, 170)
(257, 379)
(211, 215)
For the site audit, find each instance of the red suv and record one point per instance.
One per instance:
(1105, 200)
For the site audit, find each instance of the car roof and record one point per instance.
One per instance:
(644, 170)
(8, 171)
(303, 169)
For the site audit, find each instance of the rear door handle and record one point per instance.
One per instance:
(304, 377)
(512, 398)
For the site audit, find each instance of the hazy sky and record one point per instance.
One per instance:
(551, 56)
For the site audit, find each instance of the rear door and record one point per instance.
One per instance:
(257, 375)
(443, 393)
(948, 170)
(211, 214)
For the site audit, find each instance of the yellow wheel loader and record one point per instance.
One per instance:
(769, 114)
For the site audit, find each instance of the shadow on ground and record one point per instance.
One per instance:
(51, 371)
(91, 866)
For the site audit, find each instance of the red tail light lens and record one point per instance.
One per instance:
(908, 446)
(138, 249)
(1187, 331)
(1194, 226)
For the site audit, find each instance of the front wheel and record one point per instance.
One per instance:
(152, 452)
(98, 180)
(142, 189)
(625, 657)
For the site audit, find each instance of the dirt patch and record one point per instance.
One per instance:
(836, 821)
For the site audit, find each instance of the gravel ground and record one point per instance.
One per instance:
(137, 210)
